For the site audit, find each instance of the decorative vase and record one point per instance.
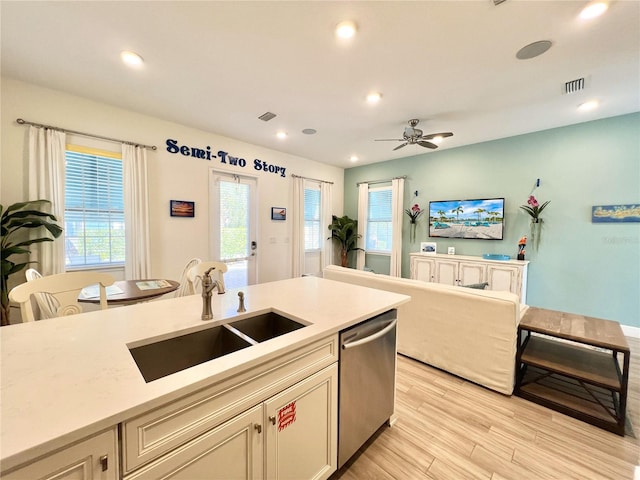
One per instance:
(536, 229)
(412, 232)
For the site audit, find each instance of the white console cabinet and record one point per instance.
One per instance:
(95, 458)
(501, 275)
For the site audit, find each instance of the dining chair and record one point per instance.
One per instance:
(64, 287)
(186, 288)
(196, 273)
(47, 303)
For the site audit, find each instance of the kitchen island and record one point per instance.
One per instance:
(66, 380)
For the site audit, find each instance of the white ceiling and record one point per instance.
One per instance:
(217, 66)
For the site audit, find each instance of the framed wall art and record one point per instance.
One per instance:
(182, 208)
(278, 213)
(615, 213)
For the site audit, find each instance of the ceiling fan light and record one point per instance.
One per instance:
(593, 10)
(437, 140)
(346, 29)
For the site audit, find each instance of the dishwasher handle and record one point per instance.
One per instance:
(371, 338)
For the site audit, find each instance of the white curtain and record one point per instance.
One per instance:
(397, 198)
(46, 182)
(363, 207)
(298, 227)
(326, 200)
(136, 212)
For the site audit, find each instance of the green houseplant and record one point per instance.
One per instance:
(344, 231)
(21, 225)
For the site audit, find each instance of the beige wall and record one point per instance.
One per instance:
(171, 176)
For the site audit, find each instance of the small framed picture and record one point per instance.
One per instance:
(278, 213)
(182, 208)
(428, 248)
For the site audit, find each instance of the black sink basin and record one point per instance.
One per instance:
(159, 359)
(265, 326)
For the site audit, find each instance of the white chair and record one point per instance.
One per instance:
(64, 287)
(196, 273)
(186, 287)
(47, 304)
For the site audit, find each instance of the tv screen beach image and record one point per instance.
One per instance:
(481, 219)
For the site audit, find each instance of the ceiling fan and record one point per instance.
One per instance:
(414, 136)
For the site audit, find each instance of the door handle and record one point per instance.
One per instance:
(254, 245)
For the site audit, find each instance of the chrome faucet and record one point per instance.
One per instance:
(208, 284)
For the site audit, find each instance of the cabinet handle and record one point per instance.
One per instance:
(258, 427)
(104, 461)
(272, 420)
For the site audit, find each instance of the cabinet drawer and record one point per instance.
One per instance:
(93, 458)
(148, 436)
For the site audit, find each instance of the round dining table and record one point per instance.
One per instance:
(126, 292)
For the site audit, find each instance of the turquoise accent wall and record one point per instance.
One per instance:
(581, 267)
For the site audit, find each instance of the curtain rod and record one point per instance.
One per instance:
(314, 179)
(381, 181)
(39, 125)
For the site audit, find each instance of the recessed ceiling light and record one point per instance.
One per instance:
(374, 97)
(587, 106)
(131, 58)
(354, 158)
(594, 9)
(346, 29)
(533, 49)
(281, 135)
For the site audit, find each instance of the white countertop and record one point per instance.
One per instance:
(66, 378)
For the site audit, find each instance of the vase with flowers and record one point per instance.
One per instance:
(414, 213)
(534, 209)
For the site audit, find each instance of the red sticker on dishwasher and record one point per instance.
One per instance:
(286, 416)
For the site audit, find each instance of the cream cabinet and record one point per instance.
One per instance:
(507, 275)
(95, 458)
(277, 420)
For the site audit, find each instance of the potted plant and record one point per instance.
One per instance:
(345, 231)
(16, 223)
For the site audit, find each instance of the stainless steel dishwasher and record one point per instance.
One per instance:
(367, 372)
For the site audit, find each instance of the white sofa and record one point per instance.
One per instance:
(468, 332)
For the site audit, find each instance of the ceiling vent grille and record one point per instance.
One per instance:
(575, 85)
(265, 117)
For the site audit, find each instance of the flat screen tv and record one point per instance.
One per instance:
(481, 219)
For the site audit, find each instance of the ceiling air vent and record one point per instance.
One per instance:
(265, 117)
(575, 85)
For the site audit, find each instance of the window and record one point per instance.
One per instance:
(94, 208)
(379, 230)
(312, 227)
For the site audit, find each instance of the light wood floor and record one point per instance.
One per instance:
(449, 428)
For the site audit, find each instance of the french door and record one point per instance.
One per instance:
(233, 226)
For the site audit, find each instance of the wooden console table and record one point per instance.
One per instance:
(573, 377)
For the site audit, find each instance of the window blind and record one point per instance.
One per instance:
(379, 230)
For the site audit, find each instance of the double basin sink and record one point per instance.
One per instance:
(159, 359)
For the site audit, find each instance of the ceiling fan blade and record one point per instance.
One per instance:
(434, 135)
(400, 146)
(389, 140)
(422, 143)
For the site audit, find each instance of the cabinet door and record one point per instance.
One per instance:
(234, 450)
(423, 269)
(301, 429)
(447, 272)
(504, 278)
(92, 459)
(469, 273)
